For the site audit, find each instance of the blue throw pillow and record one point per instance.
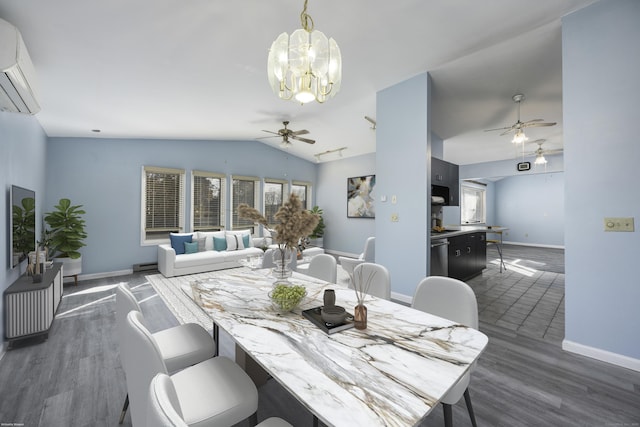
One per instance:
(178, 240)
(190, 248)
(219, 244)
(245, 240)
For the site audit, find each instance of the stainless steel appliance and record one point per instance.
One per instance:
(439, 257)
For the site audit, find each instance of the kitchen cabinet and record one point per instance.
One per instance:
(467, 255)
(445, 179)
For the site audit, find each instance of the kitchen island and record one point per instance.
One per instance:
(466, 249)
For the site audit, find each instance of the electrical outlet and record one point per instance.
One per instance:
(394, 217)
(618, 224)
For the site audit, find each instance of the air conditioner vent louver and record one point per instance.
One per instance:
(17, 76)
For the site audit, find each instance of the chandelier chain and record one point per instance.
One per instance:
(306, 19)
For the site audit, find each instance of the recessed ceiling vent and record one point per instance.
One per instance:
(17, 76)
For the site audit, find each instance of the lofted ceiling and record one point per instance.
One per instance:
(172, 69)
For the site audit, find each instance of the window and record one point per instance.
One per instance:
(208, 199)
(473, 202)
(244, 189)
(303, 191)
(162, 203)
(275, 193)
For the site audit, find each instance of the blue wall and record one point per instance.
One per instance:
(532, 207)
(601, 66)
(343, 236)
(403, 170)
(104, 175)
(22, 163)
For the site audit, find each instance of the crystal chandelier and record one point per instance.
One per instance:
(305, 66)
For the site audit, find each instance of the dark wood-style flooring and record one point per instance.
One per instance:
(75, 379)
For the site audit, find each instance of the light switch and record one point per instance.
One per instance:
(383, 199)
(618, 224)
(394, 199)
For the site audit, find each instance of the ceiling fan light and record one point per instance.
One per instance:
(519, 137)
(540, 160)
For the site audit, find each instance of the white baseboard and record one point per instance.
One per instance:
(533, 245)
(602, 355)
(401, 297)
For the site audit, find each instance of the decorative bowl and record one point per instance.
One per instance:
(286, 297)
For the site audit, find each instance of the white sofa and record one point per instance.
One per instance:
(207, 258)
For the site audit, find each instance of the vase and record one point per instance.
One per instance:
(360, 316)
(281, 271)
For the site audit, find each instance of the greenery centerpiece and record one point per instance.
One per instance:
(293, 223)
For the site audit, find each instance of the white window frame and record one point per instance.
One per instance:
(144, 238)
(468, 214)
(195, 176)
(306, 203)
(232, 202)
(284, 196)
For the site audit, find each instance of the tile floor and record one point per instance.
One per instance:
(528, 296)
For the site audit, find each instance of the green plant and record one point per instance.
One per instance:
(317, 232)
(67, 229)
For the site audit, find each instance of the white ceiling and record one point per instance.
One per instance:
(197, 69)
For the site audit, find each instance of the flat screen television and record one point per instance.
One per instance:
(22, 224)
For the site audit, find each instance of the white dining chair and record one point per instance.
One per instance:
(216, 392)
(164, 406)
(373, 279)
(454, 300)
(367, 255)
(179, 346)
(323, 267)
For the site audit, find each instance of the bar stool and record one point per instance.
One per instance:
(498, 244)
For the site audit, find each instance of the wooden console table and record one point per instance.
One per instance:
(30, 307)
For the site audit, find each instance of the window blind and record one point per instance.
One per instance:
(208, 200)
(163, 201)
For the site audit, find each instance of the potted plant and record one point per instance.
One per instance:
(316, 236)
(66, 235)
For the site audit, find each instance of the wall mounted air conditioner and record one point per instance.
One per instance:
(17, 76)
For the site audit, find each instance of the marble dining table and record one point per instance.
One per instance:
(393, 373)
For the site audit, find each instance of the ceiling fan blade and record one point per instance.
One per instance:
(270, 136)
(552, 152)
(308, 141)
(299, 132)
(507, 131)
(533, 121)
(507, 127)
(268, 131)
(534, 125)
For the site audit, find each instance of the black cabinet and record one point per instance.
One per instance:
(467, 255)
(445, 181)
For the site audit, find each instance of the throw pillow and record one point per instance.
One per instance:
(235, 242)
(201, 243)
(219, 244)
(209, 235)
(190, 248)
(246, 236)
(178, 240)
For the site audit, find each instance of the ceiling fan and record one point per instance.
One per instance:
(287, 133)
(518, 126)
(540, 152)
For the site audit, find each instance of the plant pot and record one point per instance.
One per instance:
(317, 242)
(70, 266)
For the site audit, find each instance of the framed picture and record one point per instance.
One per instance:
(360, 197)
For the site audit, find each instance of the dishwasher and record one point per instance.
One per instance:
(439, 257)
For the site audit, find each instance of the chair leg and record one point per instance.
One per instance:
(124, 409)
(467, 400)
(502, 264)
(448, 415)
(253, 419)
